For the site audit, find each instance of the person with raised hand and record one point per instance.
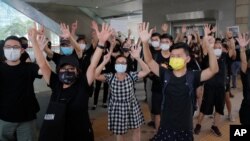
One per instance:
(178, 85)
(214, 89)
(124, 110)
(68, 46)
(245, 78)
(67, 115)
(18, 103)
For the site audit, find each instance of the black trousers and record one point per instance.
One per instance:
(97, 90)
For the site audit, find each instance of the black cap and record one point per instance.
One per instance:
(68, 60)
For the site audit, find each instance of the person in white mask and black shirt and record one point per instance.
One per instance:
(162, 58)
(18, 103)
(214, 89)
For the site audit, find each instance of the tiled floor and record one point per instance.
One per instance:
(99, 119)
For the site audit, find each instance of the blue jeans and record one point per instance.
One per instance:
(20, 131)
(235, 70)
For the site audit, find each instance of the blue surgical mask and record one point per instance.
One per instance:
(120, 68)
(67, 50)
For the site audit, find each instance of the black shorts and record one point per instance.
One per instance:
(245, 112)
(213, 97)
(156, 103)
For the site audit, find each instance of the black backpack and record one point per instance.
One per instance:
(189, 83)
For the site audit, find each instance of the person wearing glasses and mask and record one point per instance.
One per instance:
(18, 103)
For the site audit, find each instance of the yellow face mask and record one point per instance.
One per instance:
(177, 63)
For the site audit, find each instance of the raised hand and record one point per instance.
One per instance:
(210, 41)
(106, 58)
(214, 29)
(135, 52)
(42, 41)
(164, 27)
(229, 34)
(94, 25)
(154, 29)
(65, 31)
(183, 29)
(144, 34)
(242, 40)
(32, 34)
(207, 30)
(104, 34)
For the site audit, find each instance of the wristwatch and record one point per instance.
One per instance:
(101, 47)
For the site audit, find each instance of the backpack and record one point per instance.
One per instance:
(189, 83)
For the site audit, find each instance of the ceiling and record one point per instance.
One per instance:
(101, 8)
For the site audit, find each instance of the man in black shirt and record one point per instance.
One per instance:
(18, 103)
(177, 109)
(214, 89)
(162, 58)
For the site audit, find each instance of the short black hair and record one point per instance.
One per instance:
(12, 37)
(167, 36)
(121, 55)
(218, 39)
(156, 34)
(181, 45)
(81, 37)
(23, 38)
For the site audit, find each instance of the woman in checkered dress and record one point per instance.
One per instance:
(124, 111)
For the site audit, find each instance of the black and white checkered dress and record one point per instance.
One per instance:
(124, 111)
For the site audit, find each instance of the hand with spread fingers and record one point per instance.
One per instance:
(242, 40)
(135, 52)
(104, 34)
(144, 34)
(65, 31)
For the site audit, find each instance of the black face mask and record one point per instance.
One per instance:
(67, 77)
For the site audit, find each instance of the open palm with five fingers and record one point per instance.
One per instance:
(144, 34)
(242, 40)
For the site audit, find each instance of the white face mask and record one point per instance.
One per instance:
(120, 68)
(82, 46)
(217, 52)
(165, 46)
(12, 54)
(155, 44)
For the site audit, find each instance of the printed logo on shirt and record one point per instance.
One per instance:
(239, 133)
(49, 117)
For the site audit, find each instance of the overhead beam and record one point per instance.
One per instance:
(34, 14)
(92, 15)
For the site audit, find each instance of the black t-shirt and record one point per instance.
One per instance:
(18, 102)
(163, 62)
(24, 56)
(177, 112)
(194, 65)
(219, 79)
(78, 123)
(245, 78)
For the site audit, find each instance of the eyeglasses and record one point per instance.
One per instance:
(12, 47)
(71, 69)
